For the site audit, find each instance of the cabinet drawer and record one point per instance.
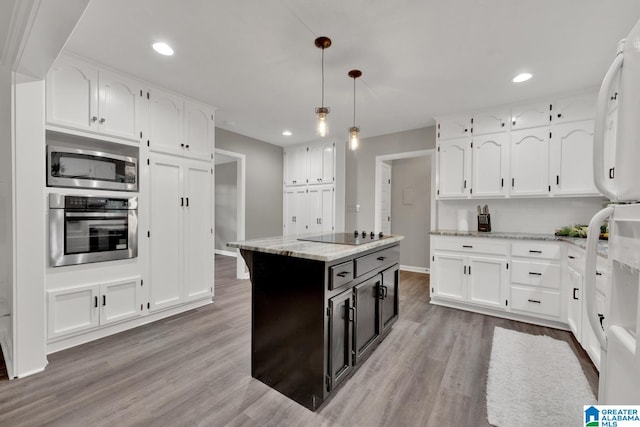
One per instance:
(377, 259)
(536, 274)
(536, 250)
(576, 259)
(340, 274)
(470, 245)
(536, 301)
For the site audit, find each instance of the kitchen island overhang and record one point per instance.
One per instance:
(318, 310)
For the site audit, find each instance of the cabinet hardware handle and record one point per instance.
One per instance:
(557, 179)
(381, 292)
(466, 130)
(501, 182)
(104, 300)
(531, 251)
(294, 181)
(187, 146)
(467, 246)
(612, 173)
(535, 274)
(513, 182)
(469, 270)
(465, 183)
(386, 291)
(598, 273)
(352, 313)
(574, 293)
(559, 115)
(181, 201)
(615, 96)
(601, 317)
(182, 145)
(572, 257)
(501, 124)
(513, 123)
(382, 258)
(464, 269)
(534, 300)
(95, 302)
(94, 119)
(102, 120)
(342, 274)
(187, 202)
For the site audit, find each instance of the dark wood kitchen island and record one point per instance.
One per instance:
(318, 310)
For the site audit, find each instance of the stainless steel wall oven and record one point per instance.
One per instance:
(86, 229)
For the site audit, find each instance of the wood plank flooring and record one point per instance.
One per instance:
(194, 369)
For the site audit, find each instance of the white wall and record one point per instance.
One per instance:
(543, 215)
(226, 204)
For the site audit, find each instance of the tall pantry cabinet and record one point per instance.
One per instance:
(309, 189)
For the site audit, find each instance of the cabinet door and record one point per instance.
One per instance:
(571, 158)
(166, 218)
(453, 166)
(450, 276)
(531, 115)
(574, 309)
(198, 251)
(340, 337)
(490, 164)
(296, 164)
(72, 310)
(303, 219)
(321, 209)
(390, 297)
(321, 164)
(367, 321)
(119, 301)
(290, 212)
(165, 123)
(120, 106)
(487, 281)
(530, 162)
(610, 140)
(199, 130)
(290, 167)
(489, 122)
(573, 109)
(454, 127)
(72, 95)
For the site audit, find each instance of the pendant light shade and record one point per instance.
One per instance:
(354, 131)
(322, 126)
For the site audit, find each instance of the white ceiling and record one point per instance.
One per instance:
(256, 61)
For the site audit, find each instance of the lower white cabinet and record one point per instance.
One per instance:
(180, 234)
(321, 209)
(78, 309)
(309, 209)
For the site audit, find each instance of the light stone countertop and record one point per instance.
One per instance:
(603, 245)
(291, 246)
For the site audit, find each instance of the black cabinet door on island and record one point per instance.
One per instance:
(314, 323)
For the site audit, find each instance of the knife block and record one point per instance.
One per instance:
(484, 222)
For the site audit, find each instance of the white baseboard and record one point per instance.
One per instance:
(225, 253)
(422, 270)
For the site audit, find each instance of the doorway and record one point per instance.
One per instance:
(404, 203)
(229, 216)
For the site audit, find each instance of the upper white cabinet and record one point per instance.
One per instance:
(199, 129)
(296, 166)
(530, 162)
(574, 109)
(490, 122)
(82, 97)
(166, 121)
(321, 163)
(454, 167)
(571, 158)
(456, 126)
(490, 165)
(530, 115)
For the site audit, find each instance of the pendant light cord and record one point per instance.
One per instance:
(354, 102)
(322, 103)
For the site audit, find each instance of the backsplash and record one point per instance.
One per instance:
(521, 215)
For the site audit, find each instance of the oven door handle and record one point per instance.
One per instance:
(95, 214)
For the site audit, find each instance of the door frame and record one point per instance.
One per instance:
(384, 165)
(241, 163)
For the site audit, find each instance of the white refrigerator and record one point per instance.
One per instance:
(617, 176)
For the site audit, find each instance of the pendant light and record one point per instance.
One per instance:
(354, 131)
(322, 127)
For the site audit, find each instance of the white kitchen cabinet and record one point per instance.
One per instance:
(83, 97)
(199, 130)
(296, 211)
(490, 122)
(166, 122)
(449, 276)
(321, 210)
(573, 109)
(571, 159)
(180, 230)
(321, 163)
(529, 163)
(454, 168)
(574, 304)
(490, 165)
(296, 166)
(79, 309)
(530, 115)
(453, 127)
(487, 281)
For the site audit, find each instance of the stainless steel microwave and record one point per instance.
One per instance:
(79, 168)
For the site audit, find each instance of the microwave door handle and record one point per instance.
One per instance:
(95, 215)
(598, 134)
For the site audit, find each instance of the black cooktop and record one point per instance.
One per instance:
(353, 239)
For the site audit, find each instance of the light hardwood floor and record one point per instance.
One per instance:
(194, 369)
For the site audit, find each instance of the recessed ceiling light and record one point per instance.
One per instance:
(522, 77)
(162, 48)
(287, 133)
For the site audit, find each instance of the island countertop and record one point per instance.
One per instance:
(291, 246)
